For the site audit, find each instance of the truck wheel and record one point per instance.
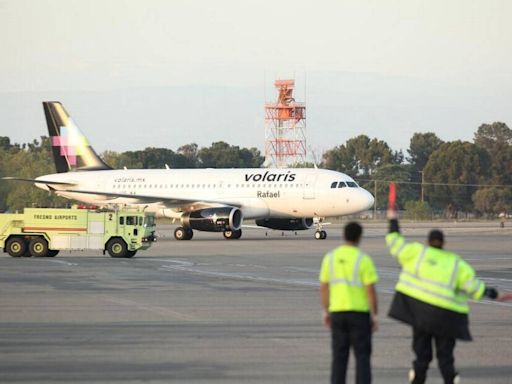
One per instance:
(117, 248)
(52, 253)
(38, 247)
(16, 246)
(130, 254)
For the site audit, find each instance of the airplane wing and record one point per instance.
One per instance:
(148, 199)
(38, 181)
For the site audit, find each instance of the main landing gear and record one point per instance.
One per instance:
(182, 233)
(236, 234)
(320, 234)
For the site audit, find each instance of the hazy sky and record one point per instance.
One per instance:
(166, 73)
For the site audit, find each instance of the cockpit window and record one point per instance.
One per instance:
(334, 184)
(342, 184)
(351, 184)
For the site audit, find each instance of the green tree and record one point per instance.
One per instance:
(149, 158)
(491, 200)
(112, 158)
(398, 173)
(421, 147)
(30, 161)
(360, 156)
(190, 152)
(493, 136)
(496, 138)
(306, 164)
(418, 210)
(5, 143)
(457, 162)
(223, 155)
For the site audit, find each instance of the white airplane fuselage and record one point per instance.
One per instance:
(257, 192)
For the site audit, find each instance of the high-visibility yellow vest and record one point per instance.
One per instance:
(433, 275)
(347, 270)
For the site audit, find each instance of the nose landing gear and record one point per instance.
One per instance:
(320, 234)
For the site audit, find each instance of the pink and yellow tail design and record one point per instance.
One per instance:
(71, 149)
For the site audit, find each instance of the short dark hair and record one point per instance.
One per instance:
(435, 235)
(353, 231)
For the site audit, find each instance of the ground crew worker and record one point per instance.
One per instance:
(349, 300)
(431, 296)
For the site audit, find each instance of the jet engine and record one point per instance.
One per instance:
(286, 224)
(213, 219)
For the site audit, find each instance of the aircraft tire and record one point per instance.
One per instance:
(182, 233)
(320, 235)
(38, 247)
(117, 248)
(232, 235)
(16, 247)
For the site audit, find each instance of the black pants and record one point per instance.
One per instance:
(351, 329)
(422, 346)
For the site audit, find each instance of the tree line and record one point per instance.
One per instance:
(454, 176)
(433, 175)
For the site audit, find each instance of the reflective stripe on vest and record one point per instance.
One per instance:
(355, 281)
(454, 300)
(470, 287)
(396, 239)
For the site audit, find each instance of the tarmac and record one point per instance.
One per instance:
(212, 310)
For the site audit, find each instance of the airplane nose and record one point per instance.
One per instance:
(365, 200)
(371, 199)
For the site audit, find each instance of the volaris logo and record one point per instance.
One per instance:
(269, 176)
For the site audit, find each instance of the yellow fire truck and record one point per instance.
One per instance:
(43, 232)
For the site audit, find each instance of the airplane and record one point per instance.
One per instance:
(207, 199)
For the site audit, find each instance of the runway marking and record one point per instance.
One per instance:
(62, 262)
(239, 276)
(181, 262)
(151, 308)
(392, 273)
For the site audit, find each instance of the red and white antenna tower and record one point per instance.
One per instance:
(285, 128)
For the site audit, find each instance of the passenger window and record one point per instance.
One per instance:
(342, 184)
(121, 220)
(140, 221)
(334, 184)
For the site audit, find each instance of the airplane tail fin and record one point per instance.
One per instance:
(71, 149)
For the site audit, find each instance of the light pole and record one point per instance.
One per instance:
(422, 181)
